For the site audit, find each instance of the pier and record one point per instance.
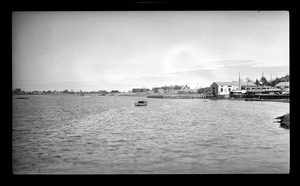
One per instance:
(264, 97)
(268, 96)
(261, 97)
(180, 96)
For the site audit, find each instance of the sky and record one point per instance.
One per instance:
(121, 50)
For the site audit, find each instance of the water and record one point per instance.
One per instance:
(68, 134)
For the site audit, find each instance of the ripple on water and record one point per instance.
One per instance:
(57, 134)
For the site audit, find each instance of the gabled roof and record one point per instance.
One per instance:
(235, 83)
(283, 84)
(226, 83)
(248, 84)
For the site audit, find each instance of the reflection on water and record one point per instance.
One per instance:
(60, 134)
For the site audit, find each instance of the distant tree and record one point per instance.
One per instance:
(248, 79)
(81, 93)
(201, 91)
(176, 87)
(165, 87)
(263, 81)
(282, 79)
(287, 77)
(17, 91)
(274, 82)
(257, 82)
(65, 91)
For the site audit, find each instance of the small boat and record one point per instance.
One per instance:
(141, 103)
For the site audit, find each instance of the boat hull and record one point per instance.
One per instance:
(137, 104)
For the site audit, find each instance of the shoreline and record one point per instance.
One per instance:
(284, 121)
(265, 100)
(170, 96)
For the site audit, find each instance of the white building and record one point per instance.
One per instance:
(224, 88)
(283, 86)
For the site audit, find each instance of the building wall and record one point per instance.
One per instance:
(223, 89)
(250, 87)
(214, 88)
(283, 86)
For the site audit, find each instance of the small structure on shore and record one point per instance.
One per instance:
(140, 90)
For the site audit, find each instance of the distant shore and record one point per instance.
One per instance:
(172, 96)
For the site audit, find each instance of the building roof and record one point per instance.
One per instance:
(235, 83)
(283, 84)
(140, 89)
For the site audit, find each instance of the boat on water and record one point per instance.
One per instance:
(141, 103)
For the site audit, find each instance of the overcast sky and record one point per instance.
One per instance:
(124, 50)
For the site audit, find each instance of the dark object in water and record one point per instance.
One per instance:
(22, 98)
(141, 103)
(284, 121)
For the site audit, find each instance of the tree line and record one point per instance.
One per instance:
(264, 82)
(18, 91)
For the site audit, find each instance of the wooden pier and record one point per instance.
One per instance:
(180, 96)
(264, 97)
(256, 97)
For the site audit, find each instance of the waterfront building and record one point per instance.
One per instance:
(224, 88)
(138, 90)
(248, 86)
(263, 90)
(283, 86)
(256, 91)
(264, 87)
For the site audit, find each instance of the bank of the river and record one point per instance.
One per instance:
(285, 121)
(198, 96)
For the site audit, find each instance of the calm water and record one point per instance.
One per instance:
(67, 134)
